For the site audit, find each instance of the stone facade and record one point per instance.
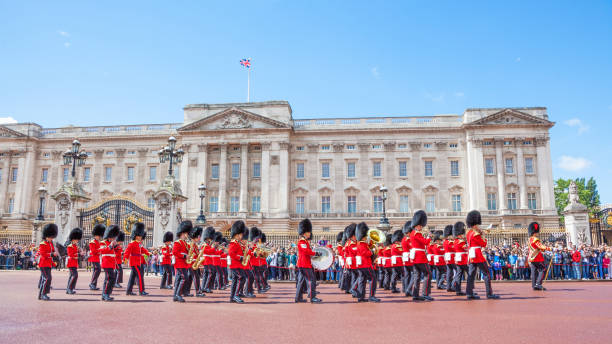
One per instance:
(261, 165)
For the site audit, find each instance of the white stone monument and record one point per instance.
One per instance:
(67, 200)
(168, 200)
(577, 219)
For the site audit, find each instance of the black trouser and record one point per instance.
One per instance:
(188, 281)
(109, 281)
(210, 273)
(225, 280)
(258, 276)
(249, 282)
(136, 273)
(484, 268)
(538, 269)
(353, 285)
(197, 280)
(45, 284)
(450, 277)
(238, 279)
(166, 279)
(119, 273)
(205, 273)
(380, 277)
(179, 281)
(396, 275)
(345, 284)
(95, 273)
(386, 277)
(369, 275)
(441, 276)
(305, 278)
(459, 271)
(72, 279)
(419, 270)
(406, 279)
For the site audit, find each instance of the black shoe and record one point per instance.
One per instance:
(117, 286)
(428, 298)
(408, 294)
(188, 295)
(207, 290)
(143, 293)
(178, 298)
(315, 300)
(299, 300)
(460, 293)
(236, 299)
(44, 297)
(93, 287)
(441, 287)
(473, 297)
(537, 288)
(395, 291)
(418, 298)
(241, 295)
(109, 298)
(492, 296)
(68, 291)
(129, 293)
(200, 295)
(373, 299)
(362, 300)
(250, 295)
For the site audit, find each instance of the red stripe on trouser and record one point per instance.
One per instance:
(139, 279)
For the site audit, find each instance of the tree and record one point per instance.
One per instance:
(587, 193)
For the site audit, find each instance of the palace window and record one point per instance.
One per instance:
(350, 170)
(87, 174)
(299, 204)
(0, 175)
(325, 170)
(509, 166)
(489, 166)
(234, 204)
(350, 147)
(429, 168)
(14, 173)
(11, 205)
(377, 169)
(110, 153)
(325, 147)
(529, 165)
(325, 204)
(130, 174)
(491, 201)
(65, 174)
(108, 174)
(531, 201)
(214, 171)
(403, 169)
(255, 204)
(131, 152)
(213, 204)
(488, 143)
(235, 170)
(427, 145)
(256, 170)
(378, 146)
(152, 173)
(299, 170)
(511, 200)
(454, 164)
(299, 148)
(44, 175)
(378, 204)
(352, 204)
(527, 142)
(456, 202)
(151, 202)
(404, 205)
(401, 146)
(452, 145)
(507, 143)
(430, 203)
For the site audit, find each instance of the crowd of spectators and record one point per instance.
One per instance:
(16, 256)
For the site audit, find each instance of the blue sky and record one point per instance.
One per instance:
(104, 63)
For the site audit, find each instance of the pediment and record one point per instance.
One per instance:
(233, 118)
(403, 189)
(511, 117)
(6, 132)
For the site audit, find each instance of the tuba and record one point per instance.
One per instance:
(375, 237)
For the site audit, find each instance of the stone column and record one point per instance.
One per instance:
(520, 166)
(265, 179)
(475, 171)
(545, 179)
(97, 173)
(389, 175)
(6, 175)
(418, 173)
(202, 171)
(311, 174)
(120, 172)
(223, 178)
(19, 187)
(501, 186)
(244, 177)
(284, 180)
(339, 175)
(28, 179)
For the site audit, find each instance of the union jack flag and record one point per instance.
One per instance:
(246, 63)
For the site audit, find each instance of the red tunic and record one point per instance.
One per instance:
(304, 254)
(476, 243)
(107, 253)
(363, 255)
(143, 252)
(45, 254)
(535, 249)
(234, 254)
(133, 253)
(406, 251)
(179, 251)
(461, 254)
(166, 252)
(396, 255)
(223, 259)
(118, 254)
(387, 257)
(418, 249)
(94, 251)
(349, 254)
(216, 259)
(72, 252)
(449, 252)
(438, 258)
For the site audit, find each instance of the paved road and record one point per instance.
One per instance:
(569, 312)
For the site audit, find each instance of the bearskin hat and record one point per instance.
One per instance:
(49, 231)
(218, 237)
(436, 236)
(185, 227)
(419, 219)
(407, 227)
(533, 228)
(263, 237)
(473, 218)
(196, 232)
(138, 229)
(168, 237)
(254, 234)
(75, 234)
(397, 236)
(448, 231)
(361, 231)
(238, 227)
(458, 229)
(209, 233)
(98, 230)
(305, 226)
(111, 232)
(121, 237)
(339, 236)
(349, 231)
(387, 240)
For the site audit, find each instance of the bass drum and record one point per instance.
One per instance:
(325, 259)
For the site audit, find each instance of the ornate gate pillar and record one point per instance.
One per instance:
(577, 219)
(168, 200)
(67, 199)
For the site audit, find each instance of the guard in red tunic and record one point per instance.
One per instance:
(258, 260)
(363, 264)
(339, 257)
(119, 260)
(248, 290)
(133, 254)
(305, 272)
(217, 252)
(397, 264)
(166, 261)
(73, 252)
(195, 276)
(385, 263)
(94, 254)
(345, 283)
(449, 256)
(108, 260)
(536, 259)
(418, 255)
(223, 282)
(476, 243)
(210, 271)
(438, 261)
(407, 264)
(235, 255)
(350, 251)
(461, 256)
(264, 265)
(46, 251)
(180, 250)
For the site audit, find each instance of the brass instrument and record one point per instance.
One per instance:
(190, 254)
(199, 260)
(246, 257)
(374, 238)
(263, 252)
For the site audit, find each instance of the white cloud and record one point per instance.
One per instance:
(573, 164)
(64, 33)
(576, 122)
(7, 120)
(375, 72)
(459, 94)
(518, 59)
(435, 98)
(67, 44)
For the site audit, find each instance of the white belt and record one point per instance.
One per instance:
(406, 257)
(429, 256)
(447, 256)
(108, 255)
(413, 252)
(358, 260)
(473, 251)
(394, 259)
(437, 258)
(349, 260)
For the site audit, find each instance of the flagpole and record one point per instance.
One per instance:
(249, 85)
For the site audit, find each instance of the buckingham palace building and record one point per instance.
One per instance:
(261, 165)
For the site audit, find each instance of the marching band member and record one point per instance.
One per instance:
(257, 259)
(419, 257)
(339, 245)
(449, 256)
(476, 260)
(438, 261)
(209, 267)
(235, 256)
(407, 264)
(108, 260)
(386, 265)
(363, 264)
(94, 254)
(536, 259)
(345, 284)
(46, 251)
(133, 254)
(195, 274)
(248, 290)
(264, 266)
(461, 256)
(119, 260)
(350, 252)
(218, 251)
(166, 261)
(73, 252)
(305, 274)
(224, 281)
(397, 265)
(180, 250)
(254, 233)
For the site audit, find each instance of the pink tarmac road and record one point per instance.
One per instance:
(569, 312)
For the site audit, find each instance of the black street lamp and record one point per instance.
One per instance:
(42, 191)
(201, 218)
(169, 153)
(384, 220)
(75, 157)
